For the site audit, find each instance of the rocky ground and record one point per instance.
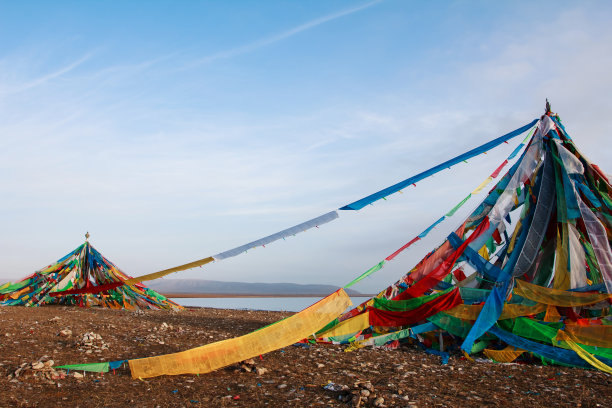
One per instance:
(33, 341)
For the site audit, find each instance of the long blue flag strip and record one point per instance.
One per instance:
(315, 222)
(359, 204)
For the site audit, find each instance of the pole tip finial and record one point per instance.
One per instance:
(87, 236)
(547, 106)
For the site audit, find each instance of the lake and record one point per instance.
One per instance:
(289, 304)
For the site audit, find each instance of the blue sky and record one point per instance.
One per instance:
(176, 130)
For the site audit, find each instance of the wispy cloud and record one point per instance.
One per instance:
(244, 49)
(34, 82)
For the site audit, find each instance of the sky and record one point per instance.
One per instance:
(175, 130)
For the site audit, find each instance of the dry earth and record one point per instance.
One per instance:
(405, 377)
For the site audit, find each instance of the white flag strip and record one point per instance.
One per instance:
(315, 222)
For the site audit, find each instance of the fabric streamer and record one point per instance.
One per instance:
(558, 297)
(553, 353)
(349, 326)
(597, 336)
(315, 222)
(396, 253)
(432, 226)
(588, 357)
(482, 186)
(93, 367)
(160, 274)
(91, 290)
(404, 305)
(456, 208)
(507, 355)
(471, 312)
(364, 275)
(405, 318)
(431, 279)
(499, 169)
(212, 356)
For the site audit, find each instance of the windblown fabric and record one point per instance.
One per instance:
(597, 336)
(405, 318)
(558, 297)
(554, 353)
(435, 276)
(586, 356)
(471, 312)
(315, 222)
(539, 223)
(161, 274)
(90, 290)
(212, 356)
(507, 355)
(349, 326)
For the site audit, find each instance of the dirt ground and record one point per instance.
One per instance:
(404, 377)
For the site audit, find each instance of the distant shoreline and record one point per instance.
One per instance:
(250, 295)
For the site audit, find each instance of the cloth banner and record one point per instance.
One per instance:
(510, 311)
(507, 355)
(431, 279)
(367, 273)
(458, 206)
(597, 336)
(540, 220)
(490, 313)
(547, 333)
(212, 356)
(157, 275)
(482, 186)
(348, 326)
(315, 222)
(93, 289)
(586, 356)
(93, 368)
(396, 253)
(557, 297)
(432, 226)
(552, 353)
(499, 169)
(404, 305)
(433, 260)
(599, 241)
(397, 319)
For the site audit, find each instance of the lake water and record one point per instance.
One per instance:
(291, 304)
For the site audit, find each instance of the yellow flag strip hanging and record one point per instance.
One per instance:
(165, 272)
(598, 336)
(348, 326)
(510, 311)
(585, 355)
(507, 355)
(212, 356)
(557, 297)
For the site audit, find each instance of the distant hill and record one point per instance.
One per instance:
(240, 288)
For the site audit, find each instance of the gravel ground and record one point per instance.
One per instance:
(294, 376)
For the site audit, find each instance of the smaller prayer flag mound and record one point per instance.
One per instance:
(82, 278)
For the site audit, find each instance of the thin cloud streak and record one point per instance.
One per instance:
(279, 37)
(45, 78)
